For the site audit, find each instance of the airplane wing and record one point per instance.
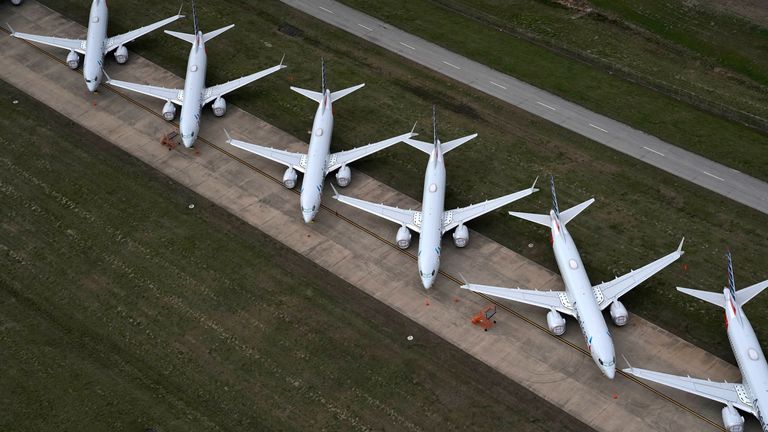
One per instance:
(116, 41)
(297, 161)
(77, 45)
(452, 218)
(614, 289)
(408, 218)
(557, 300)
(216, 91)
(174, 95)
(336, 160)
(723, 392)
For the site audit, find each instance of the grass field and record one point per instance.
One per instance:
(598, 60)
(123, 309)
(640, 213)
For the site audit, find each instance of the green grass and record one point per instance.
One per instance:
(584, 60)
(640, 213)
(123, 309)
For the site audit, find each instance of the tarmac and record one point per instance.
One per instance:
(360, 248)
(714, 176)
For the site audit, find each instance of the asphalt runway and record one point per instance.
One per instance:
(716, 177)
(360, 248)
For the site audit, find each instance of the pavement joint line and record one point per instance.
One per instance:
(497, 85)
(654, 151)
(451, 65)
(598, 127)
(712, 175)
(547, 106)
(365, 27)
(459, 282)
(407, 46)
(327, 10)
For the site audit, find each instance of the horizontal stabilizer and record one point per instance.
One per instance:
(540, 219)
(213, 34)
(421, 145)
(341, 93)
(716, 299)
(567, 215)
(746, 294)
(315, 96)
(186, 37)
(450, 145)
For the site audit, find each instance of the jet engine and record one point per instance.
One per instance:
(619, 313)
(344, 176)
(732, 421)
(461, 236)
(16, 2)
(121, 54)
(73, 60)
(555, 322)
(219, 107)
(169, 111)
(403, 237)
(289, 178)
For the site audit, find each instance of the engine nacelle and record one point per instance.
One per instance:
(289, 178)
(461, 236)
(619, 313)
(555, 323)
(121, 54)
(219, 107)
(732, 420)
(344, 176)
(73, 60)
(403, 237)
(16, 2)
(169, 111)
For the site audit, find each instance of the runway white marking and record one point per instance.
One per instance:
(327, 10)
(497, 85)
(712, 175)
(654, 151)
(365, 27)
(598, 127)
(407, 46)
(451, 65)
(545, 105)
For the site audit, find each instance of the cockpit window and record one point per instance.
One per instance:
(607, 363)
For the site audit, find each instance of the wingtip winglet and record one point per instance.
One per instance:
(413, 129)
(680, 246)
(533, 186)
(10, 28)
(628, 363)
(463, 279)
(106, 75)
(181, 7)
(229, 138)
(281, 61)
(335, 192)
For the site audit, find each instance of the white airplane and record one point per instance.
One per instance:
(751, 395)
(433, 221)
(318, 161)
(195, 94)
(96, 44)
(580, 299)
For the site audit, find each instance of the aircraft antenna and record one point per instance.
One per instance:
(554, 195)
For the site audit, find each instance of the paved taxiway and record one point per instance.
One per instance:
(716, 177)
(359, 247)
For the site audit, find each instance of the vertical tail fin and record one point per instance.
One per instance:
(194, 18)
(554, 195)
(322, 76)
(434, 126)
(731, 280)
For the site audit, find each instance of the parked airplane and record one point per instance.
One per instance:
(751, 395)
(318, 161)
(580, 299)
(195, 94)
(433, 221)
(96, 44)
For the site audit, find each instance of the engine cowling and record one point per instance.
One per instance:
(461, 236)
(169, 111)
(344, 176)
(619, 313)
(219, 107)
(16, 2)
(73, 60)
(289, 178)
(732, 420)
(403, 238)
(555, 323)
(121, 54)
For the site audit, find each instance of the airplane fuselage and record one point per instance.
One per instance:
(94, 44)
(580, 293)
(432, 210)
(749, 357)
(317, 158)
(194, 86)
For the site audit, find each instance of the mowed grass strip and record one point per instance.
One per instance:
(121, 308)
(679, 123)
(640, 214)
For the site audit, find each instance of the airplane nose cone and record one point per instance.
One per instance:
(610, 372)
(187, 141)
(92, 86)
(427, 282)
(308, 217)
